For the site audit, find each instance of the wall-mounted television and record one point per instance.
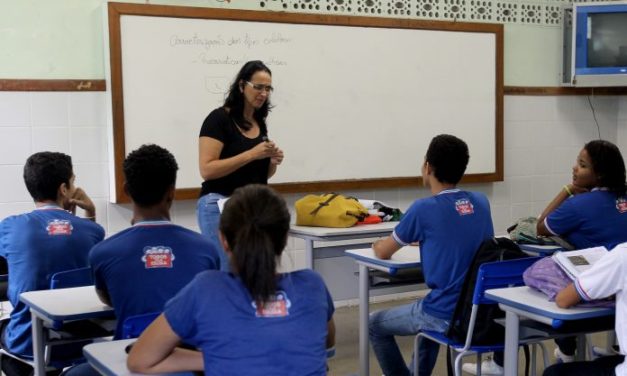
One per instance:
(595, 44)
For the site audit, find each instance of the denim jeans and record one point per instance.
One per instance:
(208, 215)
(404, 320)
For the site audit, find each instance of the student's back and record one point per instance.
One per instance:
(144, 266)
(286, 337)
(37, 245)
(450, 227)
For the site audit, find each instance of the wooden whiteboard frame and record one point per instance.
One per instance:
(116, 10)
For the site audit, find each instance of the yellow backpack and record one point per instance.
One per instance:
(329, 210)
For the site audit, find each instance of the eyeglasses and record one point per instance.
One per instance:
(259, 87)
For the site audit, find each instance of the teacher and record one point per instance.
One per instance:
(233, 148)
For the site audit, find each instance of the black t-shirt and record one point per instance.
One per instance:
(218, 125)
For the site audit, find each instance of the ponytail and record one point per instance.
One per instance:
(255, 223)
(255, 261)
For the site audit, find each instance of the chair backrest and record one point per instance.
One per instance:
(500, 274)
(133, 326)
(72, 278)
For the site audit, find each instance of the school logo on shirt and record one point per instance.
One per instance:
(278, 306)
(621, 204)
(158, 257)
(464, 206)
(59, 227)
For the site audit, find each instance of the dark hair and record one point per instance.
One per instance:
(608, 165)
(255, 222)
(44, 173)
(149, 172)
(448, 155)
(235, 98)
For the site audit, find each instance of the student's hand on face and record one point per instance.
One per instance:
(277, 158)
(80, 199)
(575, 189)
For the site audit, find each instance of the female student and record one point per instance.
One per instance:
(252, 321)
(233, 146)
(592, 210)
(588, 212)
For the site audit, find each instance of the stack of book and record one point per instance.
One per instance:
(576, 262)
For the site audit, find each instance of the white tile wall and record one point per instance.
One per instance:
(542, 138)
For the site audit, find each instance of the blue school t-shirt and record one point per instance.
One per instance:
(36, 245)
(450, 227)
(216, 313)
(596, 218)
(145, 265)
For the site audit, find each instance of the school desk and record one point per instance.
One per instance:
(528, 303)
(406, 258)
(46, 306)
(327, 234)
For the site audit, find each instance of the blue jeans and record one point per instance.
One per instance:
(209, 222)
(404, 320)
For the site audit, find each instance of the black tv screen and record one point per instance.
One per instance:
(607, 39)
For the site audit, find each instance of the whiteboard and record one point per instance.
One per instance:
(352, 103)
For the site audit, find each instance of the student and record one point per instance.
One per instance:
(592, 210)
(139, 269)
(233, 146)
(605, 278)
(38, 244)
(588, 212)
(449, 226)
(252, 321)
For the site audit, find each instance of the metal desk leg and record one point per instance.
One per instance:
(512, 322)
(364, 294)
(582, 349)
(309, 253)
(38, 344)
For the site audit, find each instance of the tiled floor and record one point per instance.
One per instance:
(346, 360)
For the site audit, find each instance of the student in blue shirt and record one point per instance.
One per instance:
(38, 244)
(252, 320)
(449, 227)
(590, 211)
(139, 269)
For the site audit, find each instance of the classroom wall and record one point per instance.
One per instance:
(55, 39)
(543, 135)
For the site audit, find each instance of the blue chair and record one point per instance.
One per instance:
(491, 276)
(133, 326)
(72, 278)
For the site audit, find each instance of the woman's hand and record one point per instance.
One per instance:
(277, 158)
(266, 149)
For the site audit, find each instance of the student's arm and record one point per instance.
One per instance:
(156, 351)
(567, 191)
(104, 296)
(212, 167)
(385, 248)
(568, 297)
(330, 333)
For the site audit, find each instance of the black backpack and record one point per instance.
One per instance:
(486, 331)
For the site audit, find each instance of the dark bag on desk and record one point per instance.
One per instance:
(486, 331)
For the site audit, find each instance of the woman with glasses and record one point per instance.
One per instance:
(233, 148)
